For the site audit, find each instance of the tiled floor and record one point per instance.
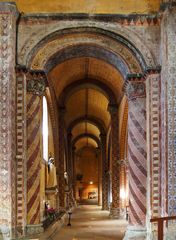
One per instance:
(89, 222)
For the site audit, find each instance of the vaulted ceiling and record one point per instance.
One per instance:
(87, 101)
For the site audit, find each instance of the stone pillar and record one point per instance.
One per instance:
(115, 206)
(137, 155)
(104, 172)
(8, 17)
(74, 177)
(168, 108)
(70, 163)
(123, 189)
(153, 85)
(98, 156)
(21, 150)
(61, 158)
(36, 83)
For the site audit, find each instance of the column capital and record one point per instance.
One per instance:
(134, 86)
(9, 7)
(151, 71)
(112, 109)
(36, 82)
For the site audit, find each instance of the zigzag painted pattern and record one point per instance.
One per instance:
(33, 159)
(137, 161)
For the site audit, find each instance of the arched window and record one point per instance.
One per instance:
(45, 129)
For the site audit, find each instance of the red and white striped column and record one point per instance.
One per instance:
(35, 87)
(137, 155)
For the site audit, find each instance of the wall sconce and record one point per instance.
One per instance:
(91, 182)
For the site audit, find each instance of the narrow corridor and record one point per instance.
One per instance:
(89, 222)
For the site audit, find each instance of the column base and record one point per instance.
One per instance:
(115, 213)
(34, 229)
(135, 232)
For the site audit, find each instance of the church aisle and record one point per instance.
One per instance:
(89, 222)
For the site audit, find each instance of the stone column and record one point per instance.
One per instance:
(8, 17)
(36, 83)
(74, 177)
(70, 163)
(115, 206)
(137, 155)
(104, 172)
(61, 158)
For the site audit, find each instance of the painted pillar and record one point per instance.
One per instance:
(36, 83)
(153, 85)
(105, 169)
(137, 155)
(21, 150)
(8, 17)
(61, 158)
(168, 108)
(115, 206)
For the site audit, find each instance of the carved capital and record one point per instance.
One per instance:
(36, 82)
(134, 87)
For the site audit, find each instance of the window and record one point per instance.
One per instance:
(45, 129)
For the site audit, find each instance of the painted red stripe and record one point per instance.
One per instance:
(33, 219)
(138, 183)
(33, 198)
(33, 134)
(31, 101)
(31, 115)
(133, 212)
(138, 145)
(32, 179)
(136, 162)
(33, 156)
(137, 125)
(139, 203)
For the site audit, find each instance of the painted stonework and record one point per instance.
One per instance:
(168, 75)
(115, 161)
(137, 155)
(153, 85)
(8, 17)
(38, 33)
(34, 157)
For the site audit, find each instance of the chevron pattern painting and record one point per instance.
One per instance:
(33, 158)
(137, 161)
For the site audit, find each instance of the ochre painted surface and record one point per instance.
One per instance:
(87, 6)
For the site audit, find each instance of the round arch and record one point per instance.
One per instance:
(86, 83)
(90, 119)
(102, 36)
(86, 135)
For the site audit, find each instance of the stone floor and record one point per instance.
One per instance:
(89, 222)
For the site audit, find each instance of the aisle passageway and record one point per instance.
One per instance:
(90, 222)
